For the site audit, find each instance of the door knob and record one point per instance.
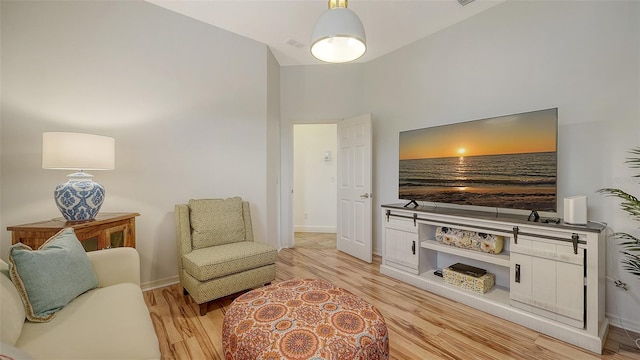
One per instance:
(365, 195)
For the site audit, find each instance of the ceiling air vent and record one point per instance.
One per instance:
(464, 2)
(296, 43)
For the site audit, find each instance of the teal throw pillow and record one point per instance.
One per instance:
(47, 279)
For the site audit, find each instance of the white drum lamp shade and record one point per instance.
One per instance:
(80, 198)
(339, 35)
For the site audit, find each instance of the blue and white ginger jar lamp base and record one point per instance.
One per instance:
(80, 198)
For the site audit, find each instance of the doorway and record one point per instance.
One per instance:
(315, 148)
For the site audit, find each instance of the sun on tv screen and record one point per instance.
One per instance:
(504, 162)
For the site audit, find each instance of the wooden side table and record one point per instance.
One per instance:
(105, 231)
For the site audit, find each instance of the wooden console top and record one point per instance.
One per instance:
(496, 216)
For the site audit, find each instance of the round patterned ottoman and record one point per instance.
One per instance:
(303, 319)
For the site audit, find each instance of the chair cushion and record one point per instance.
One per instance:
(216, 222)
(214, 262)
(47, 279)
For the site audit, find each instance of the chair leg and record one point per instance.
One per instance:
(204, 308)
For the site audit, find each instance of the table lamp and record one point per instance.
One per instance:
(80, 197)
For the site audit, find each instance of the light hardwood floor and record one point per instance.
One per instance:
(421, 325)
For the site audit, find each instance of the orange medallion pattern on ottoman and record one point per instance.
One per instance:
(303, 319)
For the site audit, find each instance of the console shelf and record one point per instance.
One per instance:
(498, 295)
(502, 259)
(548, 276)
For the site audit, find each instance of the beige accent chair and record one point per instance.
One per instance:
(216, 252)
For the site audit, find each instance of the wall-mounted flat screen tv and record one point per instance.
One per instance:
(504, 162)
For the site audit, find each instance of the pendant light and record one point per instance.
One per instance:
(338, 36)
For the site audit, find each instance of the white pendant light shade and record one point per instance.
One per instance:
(338, 36)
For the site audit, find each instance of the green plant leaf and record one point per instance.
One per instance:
(625, 236)
(630, 244)
(634, 161)
(631, 264)
(631, 204)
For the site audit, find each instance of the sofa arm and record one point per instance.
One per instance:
(116, 265)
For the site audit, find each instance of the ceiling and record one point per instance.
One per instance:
(286, 25)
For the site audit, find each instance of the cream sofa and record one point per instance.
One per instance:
(109, 322)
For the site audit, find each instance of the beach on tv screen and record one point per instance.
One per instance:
(505, 162)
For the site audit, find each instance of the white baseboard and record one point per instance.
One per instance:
(623, 323)
(376, 252)
(314, 229)
(154, 284)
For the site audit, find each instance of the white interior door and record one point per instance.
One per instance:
(354, 187)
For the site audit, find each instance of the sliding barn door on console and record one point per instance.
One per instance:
(354, 187)
(548, 279)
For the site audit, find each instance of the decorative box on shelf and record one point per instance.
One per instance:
(488, 243)
(480, 284)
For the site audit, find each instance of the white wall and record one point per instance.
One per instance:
(582, 57)
(273, 150)
(314, 178)
(186, 102)
(1, 156)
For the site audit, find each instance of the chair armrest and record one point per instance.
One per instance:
(183, 232)
(116, 265)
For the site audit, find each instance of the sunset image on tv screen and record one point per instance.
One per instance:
(504, 162)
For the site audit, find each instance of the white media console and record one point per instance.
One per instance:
(549, 277)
